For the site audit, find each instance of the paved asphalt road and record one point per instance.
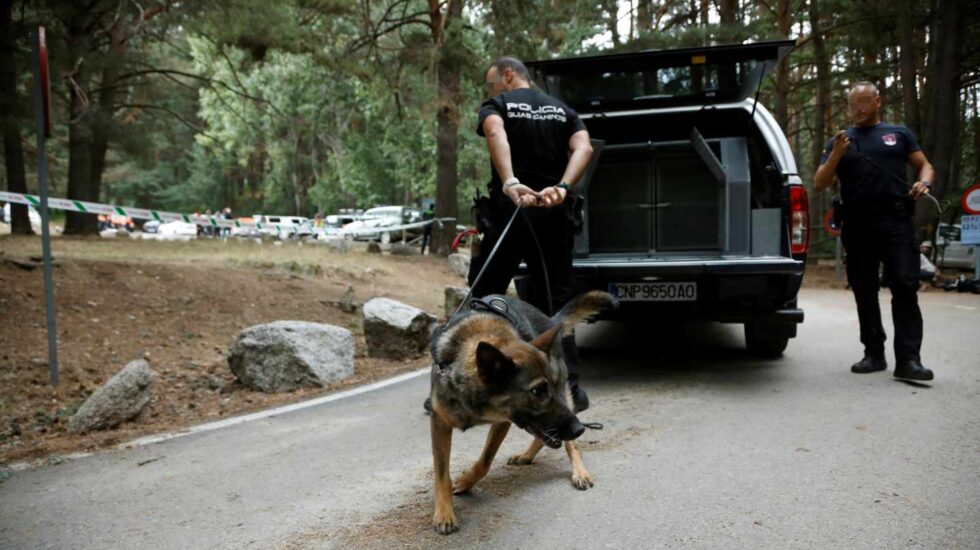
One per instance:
(703, 447)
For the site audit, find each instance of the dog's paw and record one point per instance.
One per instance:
(468, 480)
(582, 481)
(445, 524)
(519, 460)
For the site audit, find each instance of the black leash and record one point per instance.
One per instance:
(486, 263)
(890, 174)
(502, 310)
(547, 283)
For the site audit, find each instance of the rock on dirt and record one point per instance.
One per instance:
(460, 263)
(454, 297)
(394, 330)
(120, 399)
(402, 249)
(288, 355)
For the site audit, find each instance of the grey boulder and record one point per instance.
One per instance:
(394, 330)
(287, 355)
(403, 249)
(118, 400)
(454, 296)
(460, 264)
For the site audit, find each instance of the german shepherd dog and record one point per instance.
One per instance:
(502, 364)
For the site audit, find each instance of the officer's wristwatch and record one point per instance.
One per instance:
(927, 183)
(566, 187)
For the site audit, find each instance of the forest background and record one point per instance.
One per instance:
(304, 106)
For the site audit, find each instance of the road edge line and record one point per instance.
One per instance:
(276, 411)
(227, 422)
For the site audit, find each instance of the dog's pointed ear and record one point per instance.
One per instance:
(545, 340)
(493, 366)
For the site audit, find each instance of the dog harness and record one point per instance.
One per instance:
(495, 306)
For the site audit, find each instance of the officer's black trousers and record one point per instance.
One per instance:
(871, 241)
(554, 232)
(553, 229)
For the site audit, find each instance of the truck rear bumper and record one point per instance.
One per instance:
(729, 289)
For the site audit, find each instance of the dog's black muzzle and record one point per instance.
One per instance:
(553, 434)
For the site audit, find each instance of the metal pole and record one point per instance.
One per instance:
(837, 256)
(42, 178)
(976, 262)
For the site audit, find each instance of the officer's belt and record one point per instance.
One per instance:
(899, 207)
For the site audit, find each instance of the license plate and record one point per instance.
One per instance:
(654, 292)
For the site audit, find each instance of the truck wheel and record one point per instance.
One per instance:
(766, 341)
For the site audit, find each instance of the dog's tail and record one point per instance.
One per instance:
(583, 307)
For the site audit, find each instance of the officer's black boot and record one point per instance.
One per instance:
(872, 362)
(912, 369)
(580, 400)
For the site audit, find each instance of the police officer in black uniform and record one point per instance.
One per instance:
(870, 160)
(539, 147)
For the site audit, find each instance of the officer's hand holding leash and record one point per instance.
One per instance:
(919, 189)
(523, 196)
(520, 194)
(553, 196)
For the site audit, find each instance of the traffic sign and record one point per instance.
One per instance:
(971, 200)
(970, 233)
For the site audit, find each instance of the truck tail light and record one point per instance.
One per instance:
(799, 211)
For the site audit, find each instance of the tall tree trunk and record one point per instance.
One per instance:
(644, 16)
(102, 118)
(119, 36)
(13, 150)
(448, 37)
(975, 123)
(80, 115)
(782, 69)
(821, 117)
(822, 123)
(727, 11)
(943, 92)
(299, 191)
(906, 42)
(729, 31)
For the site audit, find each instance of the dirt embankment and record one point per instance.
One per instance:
(180, 307)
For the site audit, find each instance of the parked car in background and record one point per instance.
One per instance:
(246, 229)
(151, 226)
(951, 252)
(178, 230)
(32, 214)
(284, 227)
(371, 226)
(333, 224)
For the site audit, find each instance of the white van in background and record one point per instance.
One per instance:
(284, 227)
